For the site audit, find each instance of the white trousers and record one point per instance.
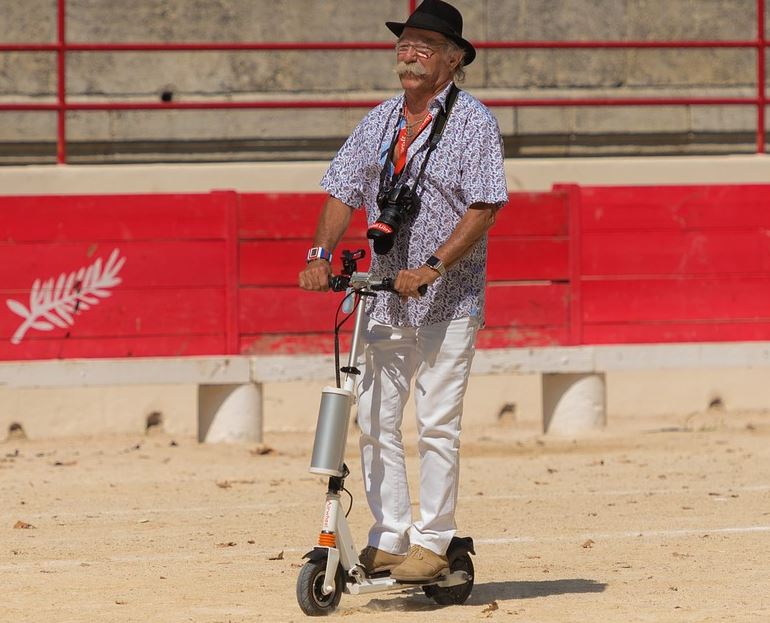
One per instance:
(439, 358)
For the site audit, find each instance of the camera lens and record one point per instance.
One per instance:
(382, 233)
(395, 205)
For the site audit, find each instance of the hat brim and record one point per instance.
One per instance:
(427, 22)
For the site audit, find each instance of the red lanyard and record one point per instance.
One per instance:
(399, 154)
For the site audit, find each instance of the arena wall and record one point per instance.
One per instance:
(292, 406)
(270, 135)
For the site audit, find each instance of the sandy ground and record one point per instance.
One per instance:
(651, 520)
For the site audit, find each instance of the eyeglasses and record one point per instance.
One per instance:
(420, 49)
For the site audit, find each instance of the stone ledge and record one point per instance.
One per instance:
(279, 368)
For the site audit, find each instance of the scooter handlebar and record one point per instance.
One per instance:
(339, 283)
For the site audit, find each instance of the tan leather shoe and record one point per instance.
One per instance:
(421, 565)
(375, 560)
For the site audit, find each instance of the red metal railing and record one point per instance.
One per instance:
(62, 47)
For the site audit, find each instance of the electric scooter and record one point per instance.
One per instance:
(333, 566)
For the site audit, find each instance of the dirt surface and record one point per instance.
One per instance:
(651, 520)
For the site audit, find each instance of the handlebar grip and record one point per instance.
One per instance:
(387, 285)
(338, 283)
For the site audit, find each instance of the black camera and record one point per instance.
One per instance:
(395, 205)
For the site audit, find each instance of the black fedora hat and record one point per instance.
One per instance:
(440, 17)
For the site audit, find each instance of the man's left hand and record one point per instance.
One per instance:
(407, 281)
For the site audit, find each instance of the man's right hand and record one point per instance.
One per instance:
(315, 276)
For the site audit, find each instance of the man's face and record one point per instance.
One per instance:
(425, 52)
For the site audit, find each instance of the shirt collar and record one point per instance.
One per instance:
(437, 102)
(440, 99)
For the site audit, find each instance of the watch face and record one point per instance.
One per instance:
(317, 253)
(436, 264)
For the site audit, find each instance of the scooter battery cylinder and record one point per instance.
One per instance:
(331, 432)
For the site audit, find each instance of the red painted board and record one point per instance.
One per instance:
(291, 310)
(511, 305)
(533, 214)
(287, 215)
(527, 259)
(278, 262)
(295, 344)
(675, 207)
(295, 215)
(112, 218)
(705, 252)
(286, 310)
(138, 264)
(522, 336)
(645, 300)
(323, 343)
(279, 215)
(100, 347)
(125, 312)
(663, 332)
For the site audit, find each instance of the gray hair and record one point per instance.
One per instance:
(459, 73)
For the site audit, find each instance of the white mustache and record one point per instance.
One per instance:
(415, 68)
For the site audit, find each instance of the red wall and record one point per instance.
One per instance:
(216, 273)
(173, 296)
(677, 263)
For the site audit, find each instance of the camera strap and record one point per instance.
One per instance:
(437, 131)
(435, 136)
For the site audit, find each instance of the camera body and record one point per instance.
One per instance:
(395, 204)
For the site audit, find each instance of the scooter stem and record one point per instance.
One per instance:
(350, 378)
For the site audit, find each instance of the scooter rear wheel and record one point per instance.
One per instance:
(310, 595)
(453, 595)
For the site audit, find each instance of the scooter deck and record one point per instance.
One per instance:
(385, 583)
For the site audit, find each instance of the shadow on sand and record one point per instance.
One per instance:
(491, 591)
(414, 600)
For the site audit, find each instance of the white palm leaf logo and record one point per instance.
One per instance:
(55, 302)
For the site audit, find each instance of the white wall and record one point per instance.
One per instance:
(522, 174)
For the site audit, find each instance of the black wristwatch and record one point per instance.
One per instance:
(436, 264)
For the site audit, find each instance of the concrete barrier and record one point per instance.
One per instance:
(231, 404)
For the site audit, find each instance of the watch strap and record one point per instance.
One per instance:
(319, 253)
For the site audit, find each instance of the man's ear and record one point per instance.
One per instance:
(456, 59)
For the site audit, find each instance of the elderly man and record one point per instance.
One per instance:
(445, 188)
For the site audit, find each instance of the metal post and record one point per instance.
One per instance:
(761, 96)
(61, 89)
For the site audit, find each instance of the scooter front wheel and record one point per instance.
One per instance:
(310, 595)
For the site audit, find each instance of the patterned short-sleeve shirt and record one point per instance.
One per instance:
(465, 168)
